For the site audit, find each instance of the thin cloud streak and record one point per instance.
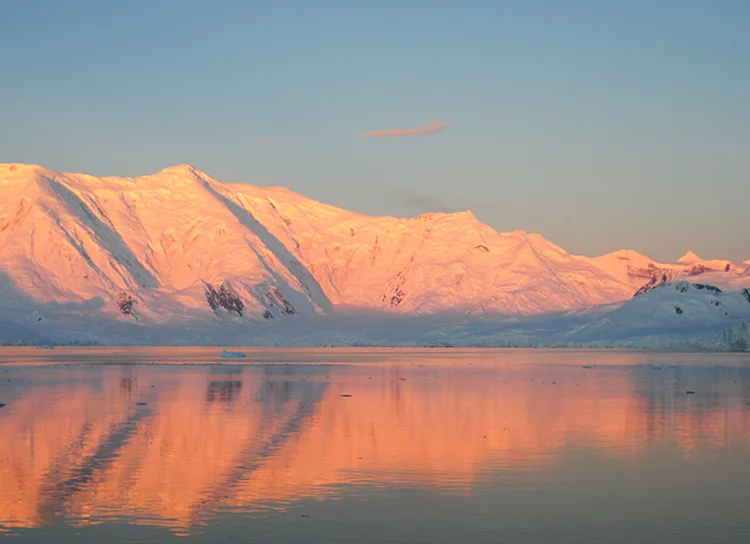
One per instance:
(430, 128)
(421, 203)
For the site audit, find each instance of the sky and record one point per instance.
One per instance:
(601, 125)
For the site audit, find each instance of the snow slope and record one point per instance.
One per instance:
(691, 314)
(181, 249)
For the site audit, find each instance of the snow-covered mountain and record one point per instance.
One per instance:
(181, 247)
(676, 314)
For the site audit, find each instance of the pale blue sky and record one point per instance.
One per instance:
(600, 124)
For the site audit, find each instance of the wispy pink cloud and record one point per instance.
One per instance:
(430, 128)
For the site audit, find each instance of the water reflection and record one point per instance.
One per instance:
(176, 445)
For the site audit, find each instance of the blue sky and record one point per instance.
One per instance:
(602, 125)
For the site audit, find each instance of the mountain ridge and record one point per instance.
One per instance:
(183, 245)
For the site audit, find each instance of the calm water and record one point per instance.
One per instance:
(391, 446)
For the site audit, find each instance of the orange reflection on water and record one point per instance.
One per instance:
(174, 445)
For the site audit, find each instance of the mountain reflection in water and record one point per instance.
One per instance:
(175, 446)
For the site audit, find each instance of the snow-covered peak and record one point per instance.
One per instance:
(689, 258)
(182, 170)
(628, 256)
(466, 214)
(18, 167)
(629, 266)
(18, 172)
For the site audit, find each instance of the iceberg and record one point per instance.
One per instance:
(232, 354)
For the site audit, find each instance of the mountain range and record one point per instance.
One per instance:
(111, 259)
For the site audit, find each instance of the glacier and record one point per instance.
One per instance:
(178, 258)
(737, 337)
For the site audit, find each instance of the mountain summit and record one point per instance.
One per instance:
(689, 258)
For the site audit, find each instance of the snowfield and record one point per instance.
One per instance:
(179, 258)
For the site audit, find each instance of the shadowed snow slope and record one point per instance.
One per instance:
(181, 247)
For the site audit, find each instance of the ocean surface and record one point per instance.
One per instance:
(373, 446)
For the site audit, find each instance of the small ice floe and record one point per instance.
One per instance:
(46, 346)
(232, 354)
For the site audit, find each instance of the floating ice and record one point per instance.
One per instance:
(232, 354)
